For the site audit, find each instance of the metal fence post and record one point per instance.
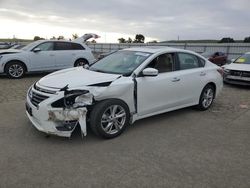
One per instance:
(185, 46)
(205, 48)
(228, 48)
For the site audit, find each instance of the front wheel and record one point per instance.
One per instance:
(207, 97)
(109, 118)
(15, 70)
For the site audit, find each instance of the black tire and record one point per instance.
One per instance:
(81, 63)
(15, 70)
(99, 120)
(206, 100)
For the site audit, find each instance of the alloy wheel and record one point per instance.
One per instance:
(208, 97)
(113, 119)
(16, 70)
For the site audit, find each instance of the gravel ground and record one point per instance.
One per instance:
(184, 148)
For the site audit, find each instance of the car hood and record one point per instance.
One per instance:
(239, 67)
(75, 77)
(9, 51)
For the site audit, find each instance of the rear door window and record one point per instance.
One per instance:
(188, 61)
(62, 46)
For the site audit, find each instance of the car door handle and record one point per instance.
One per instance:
(202, 74)
(175, 79)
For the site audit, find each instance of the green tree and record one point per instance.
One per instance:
(38, 38)
(139, 38)
(60, 37)
(227, 40)
(75, 36)
(129, 40)
(247, 39)
(122, 40)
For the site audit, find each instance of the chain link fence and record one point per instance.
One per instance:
(233, 50)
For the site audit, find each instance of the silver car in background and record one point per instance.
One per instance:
(238, 72)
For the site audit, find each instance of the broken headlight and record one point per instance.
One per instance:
(74, 98)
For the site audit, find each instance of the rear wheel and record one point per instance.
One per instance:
(81, 62)
(109, 118)
(15, 70)
(207, 97)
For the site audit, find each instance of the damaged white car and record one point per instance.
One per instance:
(121, 88)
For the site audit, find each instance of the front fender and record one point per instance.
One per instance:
(14, 57)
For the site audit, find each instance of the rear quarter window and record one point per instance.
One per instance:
(75, 46)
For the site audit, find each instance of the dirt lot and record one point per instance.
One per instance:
(185, 148)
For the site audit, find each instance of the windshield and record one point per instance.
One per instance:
(121, 62)
(31, 45)
(244, 59)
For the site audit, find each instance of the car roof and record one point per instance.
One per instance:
(156, 49)
(58, 41)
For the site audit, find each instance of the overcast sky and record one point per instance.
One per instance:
(112, 19)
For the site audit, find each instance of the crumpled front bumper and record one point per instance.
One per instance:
(50, 120)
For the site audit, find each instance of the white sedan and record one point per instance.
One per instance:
(121, 88)
(238, 72)
(46, 55)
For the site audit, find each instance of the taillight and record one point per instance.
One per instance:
(220, 70)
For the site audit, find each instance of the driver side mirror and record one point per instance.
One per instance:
(150, 72)
(37, 50)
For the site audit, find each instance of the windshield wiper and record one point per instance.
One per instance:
(96, 70)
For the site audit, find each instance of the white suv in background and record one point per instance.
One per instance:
(46, 55)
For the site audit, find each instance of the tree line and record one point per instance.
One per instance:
(139, 38)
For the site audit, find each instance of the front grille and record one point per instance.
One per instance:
(246, 74)
(44, 90)
(240, 73)
(37, 98)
